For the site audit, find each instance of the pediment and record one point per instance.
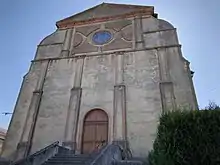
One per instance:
(104, 12)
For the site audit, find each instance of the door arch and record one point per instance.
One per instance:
(95, 130)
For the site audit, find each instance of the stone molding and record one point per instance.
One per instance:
(65, 24)
(41, 45)
(162, 30)
(106, 53)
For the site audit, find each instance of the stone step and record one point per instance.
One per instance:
(72, 155)
(70, 163)
(63, 161)
(69, 158)
(128, 162)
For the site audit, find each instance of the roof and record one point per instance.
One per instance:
(105, 11)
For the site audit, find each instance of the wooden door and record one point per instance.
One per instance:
(95, 130)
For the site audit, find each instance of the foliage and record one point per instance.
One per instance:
(188, 138)
(212, 106)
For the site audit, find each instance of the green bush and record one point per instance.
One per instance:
(187, 138)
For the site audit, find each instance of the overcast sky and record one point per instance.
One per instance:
(24, 23)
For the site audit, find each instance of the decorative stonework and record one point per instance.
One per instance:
(103, 37)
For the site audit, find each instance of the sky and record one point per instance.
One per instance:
(24, 23)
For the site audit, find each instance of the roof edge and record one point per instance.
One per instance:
(78, 13)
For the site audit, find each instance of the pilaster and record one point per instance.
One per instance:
(166, 85)
(167, 96)
(74, 107)
(25, 143)
(67, 42)
(72, 118)
(119, 130)
(139, 41)
(119, 102)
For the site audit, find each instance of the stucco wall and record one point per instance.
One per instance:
(97, 89)
(141, 76)
(52, 115)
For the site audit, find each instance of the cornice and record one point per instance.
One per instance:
(82, 55)
(71, 23)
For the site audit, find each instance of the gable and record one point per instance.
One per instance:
(104, 12)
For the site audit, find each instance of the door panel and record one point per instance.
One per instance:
(89, 132)
(95, 130)
(102, 132)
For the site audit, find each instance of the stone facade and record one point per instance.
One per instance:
(2, 138)
(134, 77)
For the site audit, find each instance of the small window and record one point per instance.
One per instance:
(101, 37)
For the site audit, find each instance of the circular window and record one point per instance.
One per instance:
(101, 37)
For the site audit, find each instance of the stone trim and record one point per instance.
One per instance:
(154, 31)
(70, 24)
(58, 43)
(161, 30)
(106, 53)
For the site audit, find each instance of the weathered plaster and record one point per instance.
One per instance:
(51, 120)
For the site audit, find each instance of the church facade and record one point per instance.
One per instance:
(105, 75)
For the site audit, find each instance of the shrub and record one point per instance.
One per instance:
(212, 106)
(187, 138)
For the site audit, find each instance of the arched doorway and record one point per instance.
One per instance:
(95, 130)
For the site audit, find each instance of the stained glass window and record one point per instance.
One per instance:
(101, 37)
